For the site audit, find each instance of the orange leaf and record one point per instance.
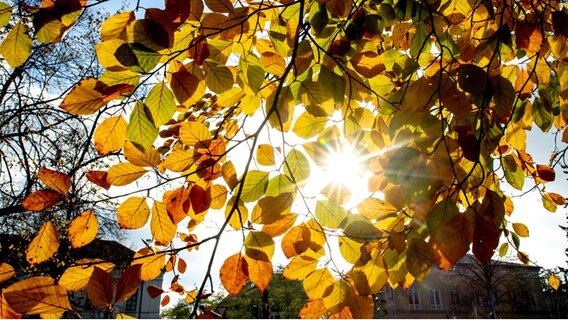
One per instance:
(5, 311)
(280, 226)
(128, 283)
(41, 200)
(99, 178)
(37, 295)
(55, 180)
(110, 135)
(165, 301)
(100, 289)
(234, 274)
(44, 245)
(83, 229)
(154, 291)
(554, 281)
(558, 199)
(6, 272)
(259, 268)
(152, 263)
(313, 309)
(77, 277)
(181, 266)
(177, 204)
(368, 64)
(528, 36)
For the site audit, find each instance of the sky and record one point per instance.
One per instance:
(545, 245)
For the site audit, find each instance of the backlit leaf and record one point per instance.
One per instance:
(142, 158)
(317, 282)
(254, 186)
(297, 167)
(124, 173)
(265, 155)
(77, 277)
(503, 249)
(260, 241)
(128, 283)
(110, 135)
(554, 281)
(44, 245)
(161, 226)
(259, 268)
(133, 213)
(41, 200)
(5, 14)
(99, 178)
(280, 226)
(55, 180)
(37, 295)
(115, 26)
(234, 274)
(161, 103)
(520, 229)
(6, 272)
(299, 268)
(83, 229)
(141, 128)
(307, 125)
(194, 134)
(179, 160)
(330, 214)
(152, 263)
(17, 46)
(239, 213)
(100, 289)
(270, 209)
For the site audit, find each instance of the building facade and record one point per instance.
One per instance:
(469, 290)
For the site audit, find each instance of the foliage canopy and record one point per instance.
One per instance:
(209, 106)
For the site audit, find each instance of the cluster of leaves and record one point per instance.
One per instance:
(437, 95)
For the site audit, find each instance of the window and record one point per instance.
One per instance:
(413, 299)
(455, 297)
(435, 300)
(131, 303)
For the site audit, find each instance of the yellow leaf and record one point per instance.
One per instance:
(124, 173)
(161, 103)
(239, 215)
(299, 268)
(338, 297)
(77, 277)
(265, 155)
(307, 125)
(133, 213)
(5, 14)
(121, 315)
(516, 136)
(44, 245)
(554, 281)
(41, 200)
(280, 226)
(110, 135)
(260, 241)
(147, 158)
(372, 208)
(218, 196)
(259, 268)
(55, 180)
(105, 53)
(83, 99)
(234, 274)
(17, 46)
(152, 263)
(255, 185)
(6, 272)
(179, 160)
(270, 209)
(520, 229)
(162, 228)
(115, 26)
(231, 97)
(83, 229)
(194, 134)
(37, 295)
(317, 282)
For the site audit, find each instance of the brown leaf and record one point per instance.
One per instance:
(99, 178)
(546, 173)
(100, 289)
(200, 199)
(528, 36)
(154, 291)
(128, 283)
(41, 200)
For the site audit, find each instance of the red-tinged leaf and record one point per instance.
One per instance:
(100, 289)
(198, 50)
(523, 257)
(545, 172)
(55, 180)
(200, 199)
(41, 200)
(469, 144)
(558, 199)
(485, 237)
(165, 301)
(181, 265)
(234, 274)
(37, 295)
(528, 36)
(99, 178)
(154, 291)
(128, 283)
(6, 312)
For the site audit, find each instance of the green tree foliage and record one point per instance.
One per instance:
(231, 106)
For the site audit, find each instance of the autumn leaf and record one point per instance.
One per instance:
(100, 289)
(41, 200)
(44, 245)
(133, 213)
(554, 281)
(154, 291)
(110, 135)
(124, 173)
(259, 268)
(83, 229)
(128, 283)
(152, 263)
(77, 277)
(234, 274)
(17, 46)
(6, 272)
(37, 295)
(99, 178)
(161, 226)
(55, 180)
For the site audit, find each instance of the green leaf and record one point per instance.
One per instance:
(17, 46)
(333, 83)
(419, 258)
(161, 103)
(280, 184)
(137, 57)
(330, 214)
(316, 100)
(260, 241)
(250, 72)
(503, 249)
(513, 172)
(141, 129)
(360, 229)
(401, 164)
(270, 209)
(254, 186)
(218, 77)
(307, 125)
(542, 111)
(297, 167)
